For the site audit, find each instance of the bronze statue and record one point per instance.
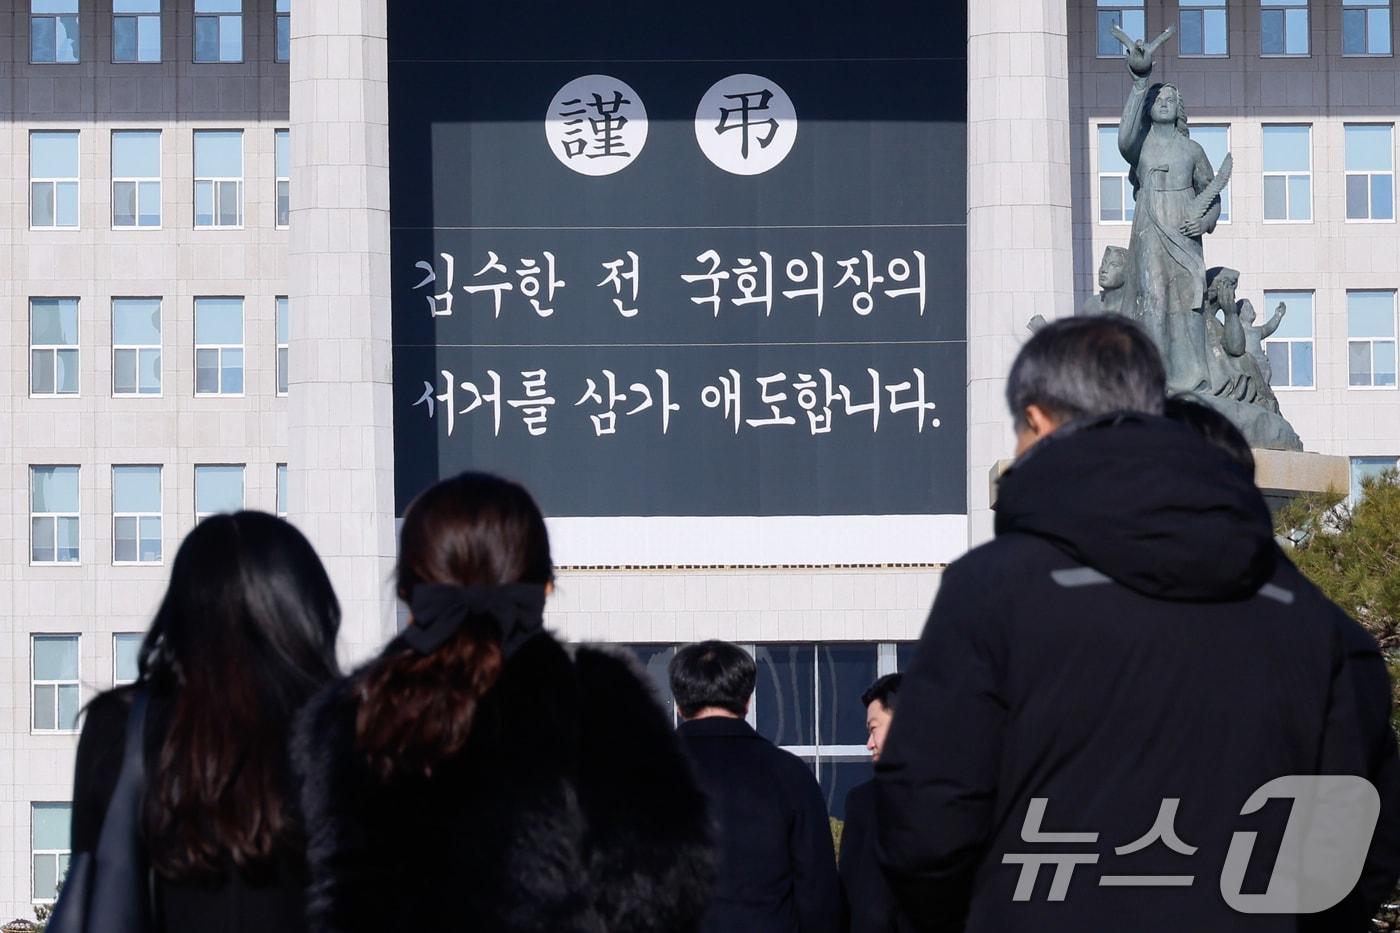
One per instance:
(1110, 300)
(1165, 279)
(1254, 337)
(1235, 371)
(1207, 337)
(1112, 274)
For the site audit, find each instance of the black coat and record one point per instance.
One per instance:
(869, 903)
(1133, 634)
(570, 810)
(777, 864)
(274, 902)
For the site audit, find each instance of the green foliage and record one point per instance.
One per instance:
(1352, 554)
(836, 827)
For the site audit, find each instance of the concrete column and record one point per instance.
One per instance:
(340, 427)
(1019, 241)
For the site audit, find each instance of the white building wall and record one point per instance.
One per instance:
(341, 470)
(1018, 212)
(94, 430)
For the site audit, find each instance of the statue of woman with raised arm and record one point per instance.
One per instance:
(1176, 205)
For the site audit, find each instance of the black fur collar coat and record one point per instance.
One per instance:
(570, 810)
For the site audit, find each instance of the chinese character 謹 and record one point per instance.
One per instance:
(596, 125)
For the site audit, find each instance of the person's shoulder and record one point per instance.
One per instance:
(108, 711)
(325, 725)
(609, 668)
(616, 698)
(1004, 557)
(542, 663)
(792, 771)
(860, 800)
(1292, 590)
(118, 700)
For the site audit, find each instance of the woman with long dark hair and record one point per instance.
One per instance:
(477, 776)
(245, 635)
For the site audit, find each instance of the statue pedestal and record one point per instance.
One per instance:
(1281, 475)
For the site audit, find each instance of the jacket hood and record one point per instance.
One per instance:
(1147, 502)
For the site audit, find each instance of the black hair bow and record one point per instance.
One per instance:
(439, 611)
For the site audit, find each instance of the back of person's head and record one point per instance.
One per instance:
(473, 530)
(884, 689)
(712, 675)
(1214, 427)
(244, 636)
(1079, 367)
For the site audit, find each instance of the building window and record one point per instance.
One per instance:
(807, 700)
(282, 489)
(53, 515)
(1370, 164)
(53, 179)
(126, 658)
(1371, 339)
(53, 347)
(282, 345)
(56, 691)
(1204, 29)
(1364, 468)
(1115, 192)
(218, 489)
(218, 30)
(218, 178)
(218, 346)
(135, 178)
(1283, 27)
(1365, 27)
(53, 31)
(136, 515)
(1290, 349)
(284, 30)
(1288, 173)
(1128, 16)
(282, 145)
(1215, 140)
(135, 31)
(136, 346)
(51, 834)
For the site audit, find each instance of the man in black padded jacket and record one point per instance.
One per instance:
(1115, 675)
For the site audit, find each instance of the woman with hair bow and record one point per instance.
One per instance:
(478, 776)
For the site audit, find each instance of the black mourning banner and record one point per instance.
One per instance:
(697, 260)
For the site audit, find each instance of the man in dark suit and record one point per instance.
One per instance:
(777, 867)
(869, 903)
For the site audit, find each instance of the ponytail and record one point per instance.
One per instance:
(417, 710)
(474, 565)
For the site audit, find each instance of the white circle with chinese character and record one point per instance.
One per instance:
(596, 125)
(746, 124)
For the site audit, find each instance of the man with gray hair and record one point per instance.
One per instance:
(1099, 691)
